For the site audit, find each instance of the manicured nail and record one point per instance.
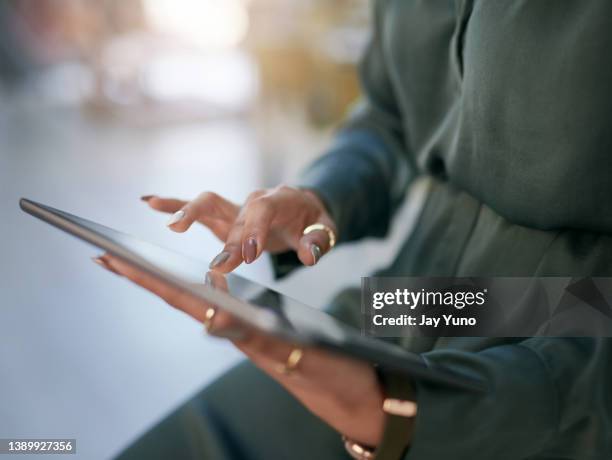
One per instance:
(146, 197)
(102, 263)
(219, 259)
(208, 280)
(99, 261)
(249, 250)
(316, 253)
(178, 215)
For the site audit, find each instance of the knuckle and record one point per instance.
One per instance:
(233, 247)
(256, 194)
(284, 188)
(208, 196)
(223, 321)
(258, 344)
(263, 203)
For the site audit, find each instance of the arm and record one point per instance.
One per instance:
(364, 177)
(353, 190)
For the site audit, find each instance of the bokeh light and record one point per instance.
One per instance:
(206, 23)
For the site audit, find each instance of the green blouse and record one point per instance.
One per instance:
(507, 106)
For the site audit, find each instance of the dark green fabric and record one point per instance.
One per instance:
(506, 105)
(244, 415)
(508, 100)
(548, 398)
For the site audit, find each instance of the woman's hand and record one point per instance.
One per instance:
(270, 220)
(343, 392)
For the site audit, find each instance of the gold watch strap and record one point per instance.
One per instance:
(401, 408)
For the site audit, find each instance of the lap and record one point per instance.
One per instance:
(243, 415)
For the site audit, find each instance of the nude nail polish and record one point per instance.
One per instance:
(99, 261)
(219, 259)
(316, 253)
(177, 216)
(249, 250)
(102, 263)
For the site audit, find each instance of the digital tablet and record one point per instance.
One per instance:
(262, 308)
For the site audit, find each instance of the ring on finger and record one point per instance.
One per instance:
(209, 316)
(293, 360)
(316, 227)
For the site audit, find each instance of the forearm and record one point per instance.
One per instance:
(366, 173)
(361, 180)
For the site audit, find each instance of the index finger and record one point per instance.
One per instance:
(169, 205)
(172, 295)
(224, 325)
(258, 216)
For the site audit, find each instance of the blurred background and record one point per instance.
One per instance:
(102, 102)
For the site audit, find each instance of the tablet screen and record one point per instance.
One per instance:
(290, 316)
(253, 303)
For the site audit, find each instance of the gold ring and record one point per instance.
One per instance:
(330, 233)
(209, 315)
(293, 360)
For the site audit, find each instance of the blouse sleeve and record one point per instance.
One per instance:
(547, 398)
(364, 176)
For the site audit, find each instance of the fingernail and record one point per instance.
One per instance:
(249, 250)
(102, 263)
(316, 253)
(219, 259)
(146, 197)
(208, 279)
(99, 261)
(178, 215)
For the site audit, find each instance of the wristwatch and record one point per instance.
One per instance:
(401, 409)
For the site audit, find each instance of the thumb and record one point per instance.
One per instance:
(313, 246)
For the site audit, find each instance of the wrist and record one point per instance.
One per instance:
(400, 408)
